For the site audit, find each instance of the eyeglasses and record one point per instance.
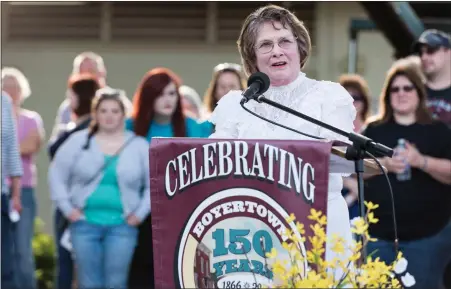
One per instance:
(406, 88)
(267, 46)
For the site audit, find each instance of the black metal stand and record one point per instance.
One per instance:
(358, 155)
(360, 145)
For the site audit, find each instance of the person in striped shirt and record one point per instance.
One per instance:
(12, 168)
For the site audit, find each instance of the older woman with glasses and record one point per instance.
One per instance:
(275, 42)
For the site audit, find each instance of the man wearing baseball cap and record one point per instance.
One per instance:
(434, 49)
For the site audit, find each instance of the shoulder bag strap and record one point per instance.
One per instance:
(109, 160)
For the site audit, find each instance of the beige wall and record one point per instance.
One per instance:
(375, 53)
(47, 66)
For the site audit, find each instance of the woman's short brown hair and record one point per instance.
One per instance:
(271, 14)
(357, 82)
(403, 68)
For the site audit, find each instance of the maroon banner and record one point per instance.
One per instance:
(219, 205)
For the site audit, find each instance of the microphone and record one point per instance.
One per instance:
(258, 83)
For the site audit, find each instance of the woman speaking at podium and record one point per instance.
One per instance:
(274, 41)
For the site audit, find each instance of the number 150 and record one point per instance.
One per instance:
(239, 236)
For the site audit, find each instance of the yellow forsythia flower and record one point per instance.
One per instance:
(373, 273)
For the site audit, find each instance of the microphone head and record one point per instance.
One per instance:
(262, 78)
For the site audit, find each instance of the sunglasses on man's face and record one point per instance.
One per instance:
(406, 88)
(428, 50)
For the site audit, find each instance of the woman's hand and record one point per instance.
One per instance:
(412, 156)
(132, 220)
(16, 203)
(75, 215)
(394, 165)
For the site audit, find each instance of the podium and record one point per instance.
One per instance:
(218, 205)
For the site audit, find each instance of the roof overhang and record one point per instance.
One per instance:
(398, 22)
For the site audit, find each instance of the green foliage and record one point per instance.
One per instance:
(44, 253)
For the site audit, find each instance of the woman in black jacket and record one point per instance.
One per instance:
(83, 88)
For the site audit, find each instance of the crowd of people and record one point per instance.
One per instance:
(98, 148)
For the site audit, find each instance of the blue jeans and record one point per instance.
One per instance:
(64, 265)
(427, 258)
(22, 238)
(444, 239)
(102, 254)
(7, 257)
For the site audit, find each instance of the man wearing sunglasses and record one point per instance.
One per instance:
(434, 49)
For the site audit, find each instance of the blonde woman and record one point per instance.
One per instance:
(31, 133)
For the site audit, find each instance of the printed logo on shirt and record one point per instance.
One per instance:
(440, 109)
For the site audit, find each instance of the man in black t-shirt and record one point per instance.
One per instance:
(434, 48)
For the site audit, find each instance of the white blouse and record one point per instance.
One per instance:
(323, 100)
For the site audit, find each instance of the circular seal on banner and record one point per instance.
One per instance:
(225, 241)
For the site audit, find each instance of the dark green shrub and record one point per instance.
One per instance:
(44, 253)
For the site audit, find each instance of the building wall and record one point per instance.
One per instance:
(48, 64)
(374, 52)
(202, 261)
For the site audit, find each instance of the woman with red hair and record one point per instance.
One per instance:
(157, 112)
(157, 108)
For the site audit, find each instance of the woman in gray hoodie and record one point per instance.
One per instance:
(99, 179)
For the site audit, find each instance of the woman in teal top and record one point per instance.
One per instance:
(104, 205)
(99, 180)
(157, 108)
(192, 128)
(157, 112)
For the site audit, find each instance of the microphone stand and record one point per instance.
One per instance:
(360, 146)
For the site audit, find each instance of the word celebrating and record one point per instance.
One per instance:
(300, 175)
(240, 245)
(239, 207)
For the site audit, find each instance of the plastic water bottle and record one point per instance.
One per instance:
(404, 176)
